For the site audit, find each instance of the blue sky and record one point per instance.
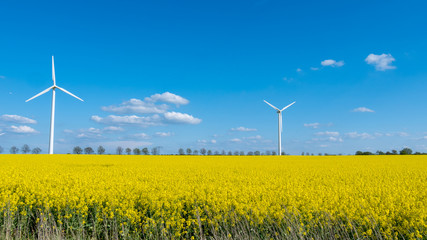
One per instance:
(195, 73)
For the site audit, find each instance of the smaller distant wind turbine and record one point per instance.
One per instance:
(280, 123)
(52, 115)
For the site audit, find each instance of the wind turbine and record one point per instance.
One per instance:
(52, 115)
(280, 123)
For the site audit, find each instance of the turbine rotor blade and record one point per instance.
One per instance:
(69, 93)
(288, 106)
(41, 93)
(271, 105)
(53, 72)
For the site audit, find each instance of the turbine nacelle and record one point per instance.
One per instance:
(54, 86)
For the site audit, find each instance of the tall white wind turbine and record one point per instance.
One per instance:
(280, 123)
(52, 115)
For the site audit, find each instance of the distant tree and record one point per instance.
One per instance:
(136, 151)
(273, 153)
(241, 153)
(320, 154)
(283, 153)
(101, 150)
(36, 150)
(128, 151)
(209, 152)
(230, 153)
(268, 152)
(364, 153)
(155, 151)
(14, 150)
(25, 149)
(145, 151)
(394, 152)
(181, 151)
(203, 151)
(216, 152)
(88, 150)
(236, 153)
(77, 150)
(250, 153)
(302, 153)
(1, 149)
(119, 150)
(223, 152)
(188, 151)
(380, 152)
(406, 151)
(307, 154)
(257, 153)
(196, 152)
(388, 153)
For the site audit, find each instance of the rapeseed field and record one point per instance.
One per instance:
(218, 197)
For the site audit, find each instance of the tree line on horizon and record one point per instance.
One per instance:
(404, 151)
(25, 149)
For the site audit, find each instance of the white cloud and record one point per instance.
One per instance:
(377, 134)
(89, 135)
(257, 137)
(314, 68)
(235, 140)
(2, 77)
(243, 129)
(363, 109)
(163, 134)
(355, 135)
(299, 70)
(141, 135)
(402, 134)
(113, 129)
(312, 125)
(154, 120)
(286, 79)
(17, 119)
(381, 62)
(96, 119)
(323, 145)
(1, 134)
(335, 139)
(332, 63)
(168, 98)
(213, 141)
(22, 129)
(328, 139)
(136, 106)
(93, 133)
(177, 117)
(327, 133)
(94, 130)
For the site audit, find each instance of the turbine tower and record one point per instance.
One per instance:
(52, 115)
(280, 123)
